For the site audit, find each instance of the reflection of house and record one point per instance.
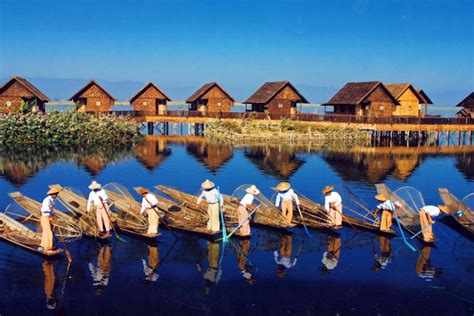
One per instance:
(210, 154)
(467, 106)
(465, 164)
(210, 98)
(92, 98)
(276, 97)
(93, 164)
(408, 98)
(151, 153)
(405, 165)
(151, 99)
(364, 99)
(274, 160)
(18, 90)
(18, 172)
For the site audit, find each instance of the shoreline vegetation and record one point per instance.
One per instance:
(67, 129)
(286, 129)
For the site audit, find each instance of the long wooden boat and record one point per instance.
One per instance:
(62, 224)
(408, 217)
(182, 218)
(72, 200)
(265, 215)
(20, 235)
(466, 219)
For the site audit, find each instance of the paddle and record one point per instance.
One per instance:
(303, 221)
(68, 254)
(224, 232)
(110, 220)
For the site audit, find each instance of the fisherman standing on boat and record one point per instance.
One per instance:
(46, 217)
(387, 207)
(427, 213)
(287, 196)
(150, 204)
(245, 205)
(99, 199)
(333, 205)
(214, 199)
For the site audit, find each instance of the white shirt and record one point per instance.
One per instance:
(151, 198)
(329, 263)
(387, 205)
(94, 198)
(288, 195)
(247, 199)
(284, 261)
(46, 206)
(211, 196)
(332, 198)
(432, 210)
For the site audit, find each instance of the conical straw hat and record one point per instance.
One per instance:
(381, 198)
(328, 189)
(444, 209)
(283, 186)
(95, 185)
(208, 184)
(142, 191)
(54, 190)
(252, 190)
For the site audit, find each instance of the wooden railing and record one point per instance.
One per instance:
(305, 117)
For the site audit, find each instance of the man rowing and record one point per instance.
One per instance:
(286, 196)
(387, 207)
(98, 198)
(245, 205)
(46, 217)
(150, 204)
(214, 199)
(333, 205)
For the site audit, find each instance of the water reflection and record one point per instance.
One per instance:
(100, 272)
(424, 268)
(383, 255)
(49, 275)
(284, 258)
(212, 274)
(332, 254)
(152, 153)
(243, 263)
(150, 268)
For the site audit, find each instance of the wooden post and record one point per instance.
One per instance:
(150, 128)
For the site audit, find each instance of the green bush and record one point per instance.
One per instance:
(66, 129)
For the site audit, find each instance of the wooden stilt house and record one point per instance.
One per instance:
(93, 98)
(371, 99)
(150, 99)
(426, 101)
(408, 98)
(467, 106)
(18, 94)
(279, 97)
(210, 98)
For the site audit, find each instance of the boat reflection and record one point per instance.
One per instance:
(332, 254)
(383, 256)
(101, 271)
(49, 275)
(212, 274)
(424, 268)
(150, 268)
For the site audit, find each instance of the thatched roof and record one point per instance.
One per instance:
(87, 86)
(27, 85)
(269, 90)
(397, 89)
(468, 102)
(356, 92)
(204, 89)
(146, 87)
(426, 99)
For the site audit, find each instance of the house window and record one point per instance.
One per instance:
(382, 107)
(8, 103)
(98, 103)
(280, 105)
(218, 104)
(145, 103)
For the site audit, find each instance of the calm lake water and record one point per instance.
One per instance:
(185, 274)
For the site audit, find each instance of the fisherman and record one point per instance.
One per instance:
(150, 204)
(214, 199)
(384, 258)
(101, 272)
(283, 260)
(387, 207)
(333, 205)
(46, 218)
(245, 205)
(99, 199)
(151, 267)
(49, 284)
(287, 196)
(427, 213)
(332, 254)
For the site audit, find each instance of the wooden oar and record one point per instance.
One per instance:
(110, 220)
(61, 235)
(303, 221)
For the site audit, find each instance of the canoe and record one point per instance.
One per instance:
(60, 221)
(20, 235)
(182, 218)
(73, 201)
(408, 217)
(466, 220)
(265, 215)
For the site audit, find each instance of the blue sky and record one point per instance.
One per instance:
(243, 43)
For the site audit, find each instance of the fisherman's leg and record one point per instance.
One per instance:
(152, 222)
(98, 213)
(339, 215)
(284, 208)
(215, 224)
(105, 218)
(209, 215)
(44, 236)
(289, 214)
(242, 214)
(427, 231)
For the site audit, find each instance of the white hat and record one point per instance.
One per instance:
(208, 184)
(95, 185)
(252, 190)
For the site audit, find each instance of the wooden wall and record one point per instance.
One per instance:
(217, 100)
(148, 100)
(380, 104)
(14, 94)
(409, 105)
(87, 101)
